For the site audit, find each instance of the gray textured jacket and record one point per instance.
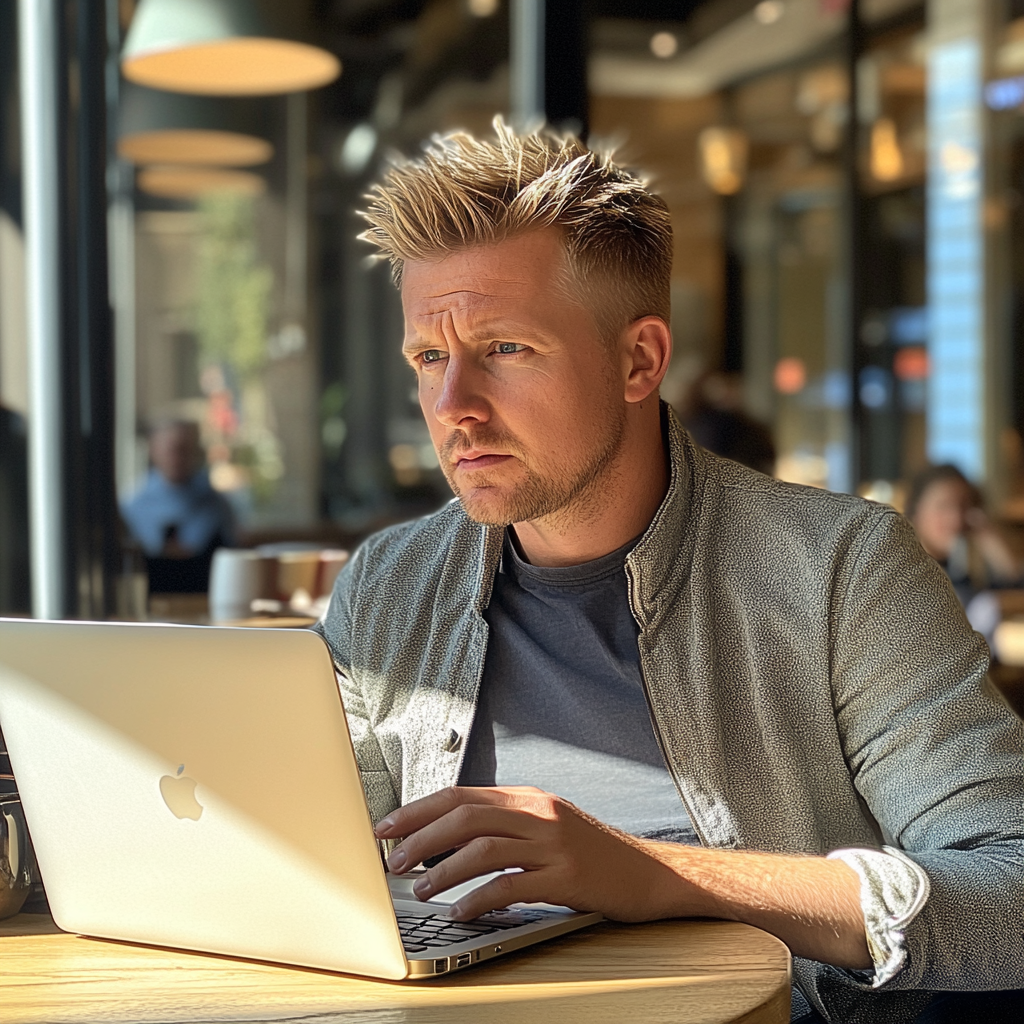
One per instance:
(815, 686)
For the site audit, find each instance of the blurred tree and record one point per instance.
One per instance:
(234, 286)
(232, 310)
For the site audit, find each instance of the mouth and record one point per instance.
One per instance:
(472, 460)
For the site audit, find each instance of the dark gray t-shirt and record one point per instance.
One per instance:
(562, 702)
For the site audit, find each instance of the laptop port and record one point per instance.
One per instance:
(464, 960)
(441, 965)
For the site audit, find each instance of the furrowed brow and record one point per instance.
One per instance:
(488, 330)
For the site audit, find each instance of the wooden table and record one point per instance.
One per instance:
(194, 610)
(697, 972)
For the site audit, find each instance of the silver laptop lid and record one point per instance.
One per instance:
(196, 787)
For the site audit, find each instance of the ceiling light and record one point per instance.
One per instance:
(156, 127)
(483, 8)
(221, 48)
(769, 11)
(664, 45)
(195, 182)
(194, 146)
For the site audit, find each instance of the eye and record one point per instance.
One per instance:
(508, 348)
(432, 355)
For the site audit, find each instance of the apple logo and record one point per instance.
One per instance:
(179, 793)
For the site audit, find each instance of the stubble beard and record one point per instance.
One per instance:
(568, 498)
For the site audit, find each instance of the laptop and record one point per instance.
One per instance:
(196, 787)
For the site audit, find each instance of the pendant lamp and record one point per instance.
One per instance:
(156, 127)
(222, 48)
(178, 182)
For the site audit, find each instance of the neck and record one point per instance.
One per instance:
(618, 505)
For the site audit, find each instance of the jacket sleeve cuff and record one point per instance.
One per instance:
(893, 889)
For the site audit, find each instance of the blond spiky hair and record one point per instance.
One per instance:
(466, 191)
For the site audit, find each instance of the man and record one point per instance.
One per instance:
(177, 517)
(674, 643)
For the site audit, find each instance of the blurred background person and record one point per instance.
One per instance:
(713, 414)
(177, 517)
(947, 512)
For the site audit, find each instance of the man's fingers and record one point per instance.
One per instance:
(479, 857)
(403, 821)
(456, 828)
(500, 892)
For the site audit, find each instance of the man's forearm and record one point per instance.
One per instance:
(568, 857)
(811, 903)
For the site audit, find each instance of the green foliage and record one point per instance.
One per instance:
(333, 399)
(333, 429)
(234, 286)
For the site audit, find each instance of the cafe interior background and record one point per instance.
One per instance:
(846, 183)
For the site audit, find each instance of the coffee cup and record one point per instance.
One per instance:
(332, 561)
(297, 571)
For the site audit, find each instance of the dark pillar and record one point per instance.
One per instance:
(549, 63)
(90, 491)
(99, 547)
(732, 349)
(565, 66)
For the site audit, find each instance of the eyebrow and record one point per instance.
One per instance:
(486, 330)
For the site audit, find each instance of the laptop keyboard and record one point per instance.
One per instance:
(432, 931)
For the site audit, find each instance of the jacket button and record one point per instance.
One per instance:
(452, 742)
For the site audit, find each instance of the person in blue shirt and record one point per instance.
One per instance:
(177, 517)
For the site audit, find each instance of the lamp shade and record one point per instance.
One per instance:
(221, 48)
(156, 127)
(178, 182)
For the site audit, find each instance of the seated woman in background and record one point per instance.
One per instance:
(945, 509)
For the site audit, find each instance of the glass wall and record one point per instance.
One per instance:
(847, 208)
(14, 563)
(258, 314)
(859, 193)
(437, 67)
(789, 230)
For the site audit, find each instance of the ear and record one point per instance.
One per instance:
(647, 349)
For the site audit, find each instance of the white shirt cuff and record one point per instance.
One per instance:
(893, 889)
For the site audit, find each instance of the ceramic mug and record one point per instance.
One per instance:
(237, 578)
(15, 856)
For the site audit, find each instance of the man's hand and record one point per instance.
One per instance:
(568, 858)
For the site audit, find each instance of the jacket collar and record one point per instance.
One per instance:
(660, 563)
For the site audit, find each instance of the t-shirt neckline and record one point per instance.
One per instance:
(597, 569)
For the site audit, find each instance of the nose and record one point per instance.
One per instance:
(461, 401)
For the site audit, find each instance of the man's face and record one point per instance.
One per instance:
(523, 399)
(176, 453)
